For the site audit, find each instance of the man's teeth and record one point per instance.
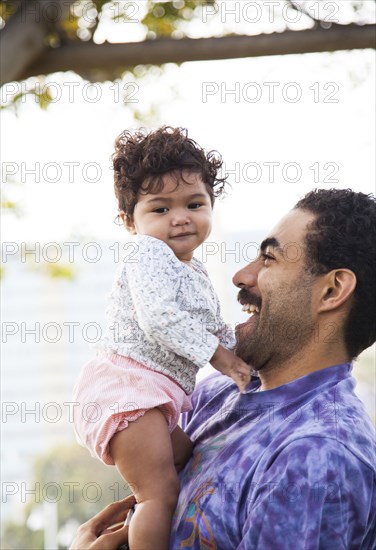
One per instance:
(250, 308)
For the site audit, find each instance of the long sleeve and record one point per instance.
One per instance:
(224, 331)
(154, 279)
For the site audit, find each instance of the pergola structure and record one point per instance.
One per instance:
(25, 51)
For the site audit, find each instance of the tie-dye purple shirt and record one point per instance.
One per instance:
(289, 468)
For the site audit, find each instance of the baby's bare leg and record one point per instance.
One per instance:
(182, 448)
(143, 454)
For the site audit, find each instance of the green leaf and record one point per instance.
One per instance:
(44, 99)
(60, 271)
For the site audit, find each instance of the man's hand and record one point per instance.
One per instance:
(229, 364)
(106, 530)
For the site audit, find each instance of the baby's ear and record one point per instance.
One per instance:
(127, 222)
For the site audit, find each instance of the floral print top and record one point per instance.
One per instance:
(164, 313)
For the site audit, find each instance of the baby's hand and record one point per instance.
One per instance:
(240, 372)
(229, 364)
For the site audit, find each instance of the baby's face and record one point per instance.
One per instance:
(179, 215)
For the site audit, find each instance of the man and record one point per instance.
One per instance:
(290, 463)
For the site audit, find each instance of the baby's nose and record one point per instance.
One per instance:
(180, 217)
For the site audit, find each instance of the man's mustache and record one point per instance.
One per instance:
(247, 297)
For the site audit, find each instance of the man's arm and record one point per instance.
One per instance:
(106, 530)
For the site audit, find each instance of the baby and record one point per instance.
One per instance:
(164, 323)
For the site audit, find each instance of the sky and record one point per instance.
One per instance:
(283, 124)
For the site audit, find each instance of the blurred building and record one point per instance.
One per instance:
(48, 324)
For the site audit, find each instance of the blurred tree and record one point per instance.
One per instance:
(80, 485)
(45, 36)
(19, 536)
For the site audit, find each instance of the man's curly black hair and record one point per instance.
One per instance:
(142, 158)
(343, 235)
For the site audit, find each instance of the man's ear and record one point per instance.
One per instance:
(127, 222)
(338, 287)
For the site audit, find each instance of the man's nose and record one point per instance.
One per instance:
(246, 277)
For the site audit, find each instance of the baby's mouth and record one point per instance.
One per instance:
(187, 234)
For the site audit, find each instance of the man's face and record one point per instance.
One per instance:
(281, 289)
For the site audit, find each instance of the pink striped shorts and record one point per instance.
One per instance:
(113, 390)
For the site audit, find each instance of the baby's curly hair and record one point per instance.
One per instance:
(142, 158)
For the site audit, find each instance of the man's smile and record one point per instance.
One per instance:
(251, 303)
(251, 309)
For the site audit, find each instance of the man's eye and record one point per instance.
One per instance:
(160, 210)
(266, 257)
(194, 205)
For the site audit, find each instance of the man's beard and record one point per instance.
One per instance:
(281, 329)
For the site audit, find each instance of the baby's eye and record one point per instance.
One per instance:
(194, 205)
(160, 210)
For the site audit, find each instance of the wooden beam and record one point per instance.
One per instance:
(110, 59)
(23, 39)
